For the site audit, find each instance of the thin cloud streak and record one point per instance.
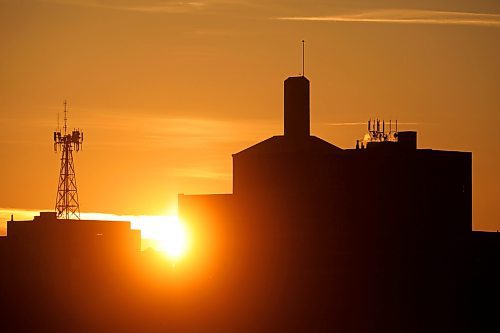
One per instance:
(409, 16)
(173, 132)
(200, 173)
(150, 6)
(153, 6)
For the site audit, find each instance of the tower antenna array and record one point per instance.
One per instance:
(67, 206)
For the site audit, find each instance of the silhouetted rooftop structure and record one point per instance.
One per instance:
(324, 239)
(56, 274)
(84, 236)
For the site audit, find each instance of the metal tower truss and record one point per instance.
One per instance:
(67, 206)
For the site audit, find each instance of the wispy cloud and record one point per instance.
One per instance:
(409, 16)
(160, 131)
(201, 173)
(346, 124)
(150, 6)
(145, 6)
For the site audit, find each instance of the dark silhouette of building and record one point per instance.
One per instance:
(316, 238)
(56, 274)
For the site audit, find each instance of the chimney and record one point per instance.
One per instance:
(297, 107)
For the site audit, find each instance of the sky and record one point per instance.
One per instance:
(165, 91)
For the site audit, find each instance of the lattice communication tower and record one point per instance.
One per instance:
(67, 206)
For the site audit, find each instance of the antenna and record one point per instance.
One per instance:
(65, 116)
(303, 57)
(377, 132)
(67, 206)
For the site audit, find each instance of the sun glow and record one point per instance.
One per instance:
(166, 234)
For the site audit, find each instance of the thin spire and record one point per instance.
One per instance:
(303, 57)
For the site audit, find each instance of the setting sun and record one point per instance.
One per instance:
(172, 238)
(166, 234)
(163, 233)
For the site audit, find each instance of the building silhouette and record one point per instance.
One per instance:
(323, 239)
(60, 275)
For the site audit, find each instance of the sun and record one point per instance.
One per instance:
(173, 241)
(164, 233)
(168, 234)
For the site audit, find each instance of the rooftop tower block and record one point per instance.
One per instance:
(297, 118)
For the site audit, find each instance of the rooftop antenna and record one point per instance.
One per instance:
(303, 57)
(67, 206)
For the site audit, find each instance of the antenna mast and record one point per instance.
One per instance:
(65, 116)
(67, 206)
(303, 57)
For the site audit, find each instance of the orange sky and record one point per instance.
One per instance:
(166, 91)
